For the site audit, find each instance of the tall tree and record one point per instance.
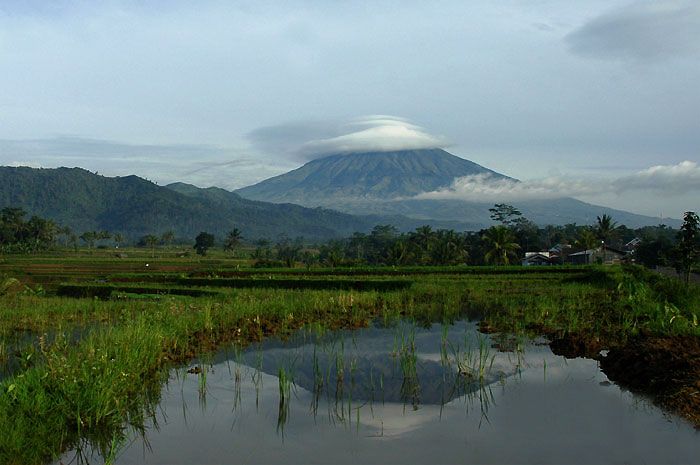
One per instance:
(167, 238)
(423, 237)
(118, 239)
(233, 240)
(66, 232)
(288, 251)
(587, 239)
(89, 237)
(262, 250)
(501, 245)
(449, 248)
(505, 214)
(688, 248)
(606, 228)
(150, 241)
(203, 242)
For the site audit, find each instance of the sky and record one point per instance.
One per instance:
(595, 99)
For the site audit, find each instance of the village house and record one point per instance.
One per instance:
(603, 254)
(537, 258)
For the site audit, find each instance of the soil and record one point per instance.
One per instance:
(572, 345)
(666, 368)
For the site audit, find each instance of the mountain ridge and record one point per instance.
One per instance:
(134, 206)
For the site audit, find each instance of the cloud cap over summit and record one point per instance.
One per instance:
(372, 133)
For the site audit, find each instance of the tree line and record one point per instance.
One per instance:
(502, 244)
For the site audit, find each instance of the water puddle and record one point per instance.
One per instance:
(401, 394)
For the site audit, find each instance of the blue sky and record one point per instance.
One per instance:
(583, 98)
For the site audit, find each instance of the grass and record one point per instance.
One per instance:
(69, 389)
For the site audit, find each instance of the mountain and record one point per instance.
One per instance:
(303, 221)
(369, 175)
(134, 206)
(383, 183)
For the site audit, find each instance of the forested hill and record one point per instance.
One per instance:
(133, 206)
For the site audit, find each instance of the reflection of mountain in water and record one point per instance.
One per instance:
(373, 377)
(378, 364)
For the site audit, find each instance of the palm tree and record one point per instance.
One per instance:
(423, 237)
(448, 248)
(151, 241)
(398, 253)
(118, 239)
(233, 240)
(167, 238)
(606, 227)
(688, 248)
(501, 244)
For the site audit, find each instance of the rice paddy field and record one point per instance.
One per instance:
(186, 360)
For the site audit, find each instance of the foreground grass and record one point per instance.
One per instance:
(68, 391)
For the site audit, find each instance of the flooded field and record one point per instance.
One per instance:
(399, 393)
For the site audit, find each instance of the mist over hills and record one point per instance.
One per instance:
(133, 206)
(385, 183)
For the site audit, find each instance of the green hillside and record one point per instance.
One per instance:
(133, 206)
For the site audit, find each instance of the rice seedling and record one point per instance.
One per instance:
(285, 384)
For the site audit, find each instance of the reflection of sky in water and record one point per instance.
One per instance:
(549, 410)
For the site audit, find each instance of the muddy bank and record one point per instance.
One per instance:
(665, 368)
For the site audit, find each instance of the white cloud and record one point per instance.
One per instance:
(374, 133)
(28, 164)
(667, 180)
(313, 139)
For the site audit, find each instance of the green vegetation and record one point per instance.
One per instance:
(18, 235)
(89, 334)
(135, 207)
(203, 242)
(688, 244)
(82, 369)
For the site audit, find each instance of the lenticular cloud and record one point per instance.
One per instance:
(377, 133)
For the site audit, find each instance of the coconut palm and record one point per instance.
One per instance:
(688, 248)
(233, 240)
(167, 238)
(606, 227)
(501, 245)
(448, 248)
(151, 241)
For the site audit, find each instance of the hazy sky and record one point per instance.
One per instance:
(599, 94)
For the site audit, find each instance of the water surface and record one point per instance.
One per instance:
(403, 394)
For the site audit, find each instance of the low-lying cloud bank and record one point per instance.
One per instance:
(664, 180)
(374, 133)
